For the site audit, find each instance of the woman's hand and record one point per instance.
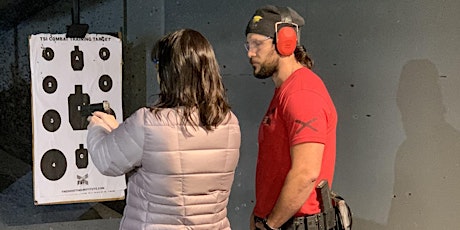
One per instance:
(104, 120)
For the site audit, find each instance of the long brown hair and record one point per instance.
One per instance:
(189, 78)
(302, 56)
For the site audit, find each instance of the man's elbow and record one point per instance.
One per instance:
(310, 177)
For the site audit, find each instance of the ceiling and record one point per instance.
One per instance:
(12, 12)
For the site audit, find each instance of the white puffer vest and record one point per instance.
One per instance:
(184, 174)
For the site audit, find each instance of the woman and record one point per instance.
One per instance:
(185, 147)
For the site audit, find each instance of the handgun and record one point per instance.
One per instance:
(87, 110)
(324, 195)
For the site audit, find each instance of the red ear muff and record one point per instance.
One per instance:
(286, 40)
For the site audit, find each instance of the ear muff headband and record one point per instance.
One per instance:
(286, 36)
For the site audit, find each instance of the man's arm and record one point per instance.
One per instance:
(252, 225)
(299, 183)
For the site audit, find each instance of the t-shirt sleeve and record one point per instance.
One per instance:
(305, 114)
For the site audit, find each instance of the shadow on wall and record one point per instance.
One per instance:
(427, 164)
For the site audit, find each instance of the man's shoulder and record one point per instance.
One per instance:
(305, 79)
(306, 74)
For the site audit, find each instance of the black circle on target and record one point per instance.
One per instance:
(104, 53)
(53, 164)
(51, 120)
(105, 83)
(48, 54)
(49, 84)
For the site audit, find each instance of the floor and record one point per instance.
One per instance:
(100, 224)
(17, 209)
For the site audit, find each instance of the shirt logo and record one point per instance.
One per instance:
(306, 125)
(268, 117)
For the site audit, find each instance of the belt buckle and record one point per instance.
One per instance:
(295, 223)
(298, 221)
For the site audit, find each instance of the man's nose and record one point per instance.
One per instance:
(251, 53)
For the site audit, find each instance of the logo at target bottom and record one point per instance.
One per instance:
(81, 180)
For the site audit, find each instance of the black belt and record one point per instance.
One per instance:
(310, 222)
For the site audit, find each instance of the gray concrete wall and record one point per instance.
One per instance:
(391, 68)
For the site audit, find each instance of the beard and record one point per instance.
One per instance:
(267, 69)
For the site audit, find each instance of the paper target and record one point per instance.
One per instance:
(81, 157)
(48, 54)
(53, 164)
(51, 120)
(104, 53)
(105, 83)
(67, 76)
(49, 84)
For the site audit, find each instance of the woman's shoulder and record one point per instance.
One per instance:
(230, 119)
(172, 117)
(164, 116)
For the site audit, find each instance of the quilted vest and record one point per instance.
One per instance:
(183, 175)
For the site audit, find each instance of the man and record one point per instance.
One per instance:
(297, 137)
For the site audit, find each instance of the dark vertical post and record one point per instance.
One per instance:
(76, 12)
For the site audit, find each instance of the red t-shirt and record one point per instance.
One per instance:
(301, 111)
